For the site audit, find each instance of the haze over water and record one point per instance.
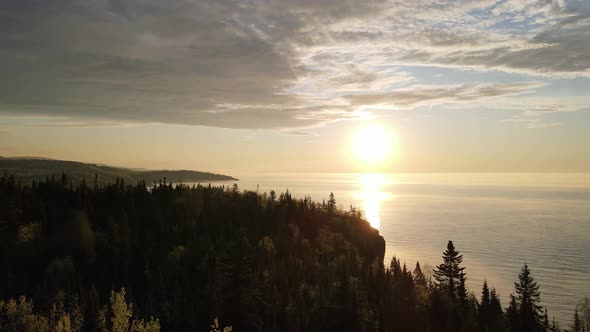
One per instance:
(497, 221)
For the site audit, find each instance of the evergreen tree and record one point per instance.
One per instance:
(546, 324)
(395, 268)
(419, 278)
(554, 326)
(448, 273)
(462, 296)
(528, 297)
(512, 315)
(273, 196)
(495, 313)
(331, 206)
(584, 312)
(485, 307)
(577, 325)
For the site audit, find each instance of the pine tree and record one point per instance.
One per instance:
(331, 207)
(584, 312)
(462, 296)
(577, 324)
(528, 297)
(554, 326)
(495, 313)
(273, 196)
(546, 325)
(512, 315)
(448, 273)
(395, 268)
(419, 277)
(484, 307)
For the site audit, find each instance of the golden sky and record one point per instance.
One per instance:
(462, 86)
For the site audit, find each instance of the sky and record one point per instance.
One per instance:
(282, 86)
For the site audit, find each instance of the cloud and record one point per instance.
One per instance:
(533, 122)
(77, 124)
(271, 64)
(533, 112)
(428, 95)
(141, 61)
(549, 41)
(295, 133)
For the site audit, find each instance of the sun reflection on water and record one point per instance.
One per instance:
(371, 193)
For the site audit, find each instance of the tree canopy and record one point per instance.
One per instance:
(123, 257)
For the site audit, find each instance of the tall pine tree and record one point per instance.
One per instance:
(484, 307)
(495, 313)
(448, 273)
(528, 298)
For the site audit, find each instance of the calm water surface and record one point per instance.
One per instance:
(498, 222)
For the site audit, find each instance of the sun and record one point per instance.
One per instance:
(372, 144)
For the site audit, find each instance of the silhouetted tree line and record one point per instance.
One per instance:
(121, 257)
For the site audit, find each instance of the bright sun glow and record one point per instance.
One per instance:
(372, 144)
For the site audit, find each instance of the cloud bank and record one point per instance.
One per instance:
(273, 64)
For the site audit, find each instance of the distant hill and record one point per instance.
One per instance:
(34, 168)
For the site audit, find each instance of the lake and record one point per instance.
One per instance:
(497, 221)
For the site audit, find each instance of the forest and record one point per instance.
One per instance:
(94, 256)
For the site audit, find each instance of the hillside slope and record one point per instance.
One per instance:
(29, 169)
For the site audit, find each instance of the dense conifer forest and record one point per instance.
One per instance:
(87, 256)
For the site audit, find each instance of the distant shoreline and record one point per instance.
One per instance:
(37, 169)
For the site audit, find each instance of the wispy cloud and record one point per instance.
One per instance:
(532, 122)
(533, 112)
(428, 95)
(79, 124)
(295, 133)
